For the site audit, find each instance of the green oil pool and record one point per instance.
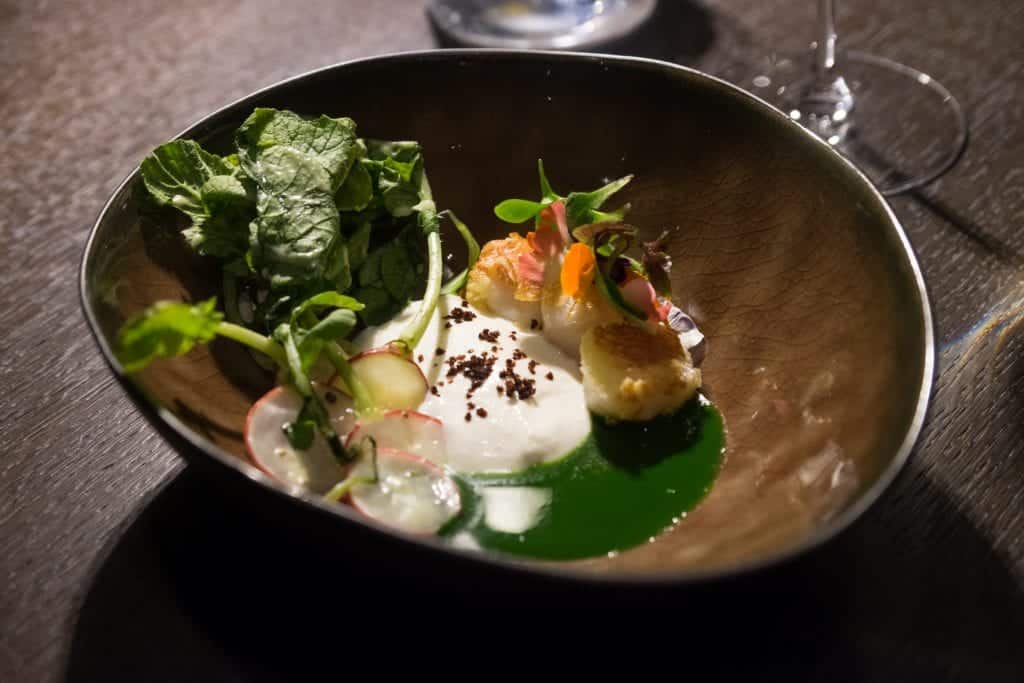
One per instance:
(625, 484)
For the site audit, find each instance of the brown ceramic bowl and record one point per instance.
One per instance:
(820, 337)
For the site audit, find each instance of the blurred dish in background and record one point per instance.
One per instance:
(538, 24)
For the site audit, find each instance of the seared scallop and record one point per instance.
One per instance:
(505, 281)
(567, 318)
(636, 372)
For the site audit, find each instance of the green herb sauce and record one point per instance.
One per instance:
(624, 485)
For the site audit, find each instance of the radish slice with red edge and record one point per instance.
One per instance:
(411, 494)
(393, 380)
(315, 469)
(404, 430)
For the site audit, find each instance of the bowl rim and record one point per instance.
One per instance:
(569, 573)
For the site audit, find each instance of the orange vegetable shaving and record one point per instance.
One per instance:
(577, 270)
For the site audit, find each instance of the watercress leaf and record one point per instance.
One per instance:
(175, 172)
(208, 189)
(165, 330)
(369, 272)
(325, 300)
(396, 271)
(335, 325)
(397, 150)
(359, 245)
(297, 223)
(473, 253)
(338, 272)
(330, 142)
(517, 210)
(357, 190)
(400, 199)
(379, 306)
(580, 206)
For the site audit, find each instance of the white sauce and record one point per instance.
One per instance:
(515, 433)
(514, 509)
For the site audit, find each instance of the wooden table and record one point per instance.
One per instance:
(105, 538)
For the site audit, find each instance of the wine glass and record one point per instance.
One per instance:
(538, 24)
(900, 126)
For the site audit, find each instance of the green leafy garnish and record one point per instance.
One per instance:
(581, 208)
(330, 143)
(165, 330)
(517, 210)
(209, 189)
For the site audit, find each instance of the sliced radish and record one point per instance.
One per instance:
(393, 380)
(411, 493)
(404, 430)
(315, 469)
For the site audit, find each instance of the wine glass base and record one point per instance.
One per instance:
(538, 24)
(904, 129)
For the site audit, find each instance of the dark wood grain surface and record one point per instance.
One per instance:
(105, 540)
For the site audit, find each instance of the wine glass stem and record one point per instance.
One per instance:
(826, 102)
(825, 55)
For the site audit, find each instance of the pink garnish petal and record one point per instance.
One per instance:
(530, 269)
(639, 294)
(552, 221)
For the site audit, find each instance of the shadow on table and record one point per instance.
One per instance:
(192, 591)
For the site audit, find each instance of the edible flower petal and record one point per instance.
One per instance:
(578, 269)
(552, 219)
(640, 294)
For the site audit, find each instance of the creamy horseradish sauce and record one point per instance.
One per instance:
(507, 396)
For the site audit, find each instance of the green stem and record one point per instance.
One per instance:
(339, 490)
(473, 249)
(255, 340)
(418, 325)
(360, 394)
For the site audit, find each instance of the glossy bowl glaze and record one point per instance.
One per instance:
(821, 349)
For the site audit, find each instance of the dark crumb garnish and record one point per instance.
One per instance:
(469, 416)
(501, 391)
(465, 304)
(489, 335)
(518, 354)
(447, 326)
(439, 351)
(460, 315)
(420, 358)
(550, 376)
(494, 349)
(520, 387)
(435, 392)
(480, 412)
(331, 398)
(512, 335)
(475, 368)
(471, 405)
(532, 367)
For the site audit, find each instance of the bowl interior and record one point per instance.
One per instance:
(819, 334)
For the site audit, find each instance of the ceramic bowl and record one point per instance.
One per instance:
(821, 348)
